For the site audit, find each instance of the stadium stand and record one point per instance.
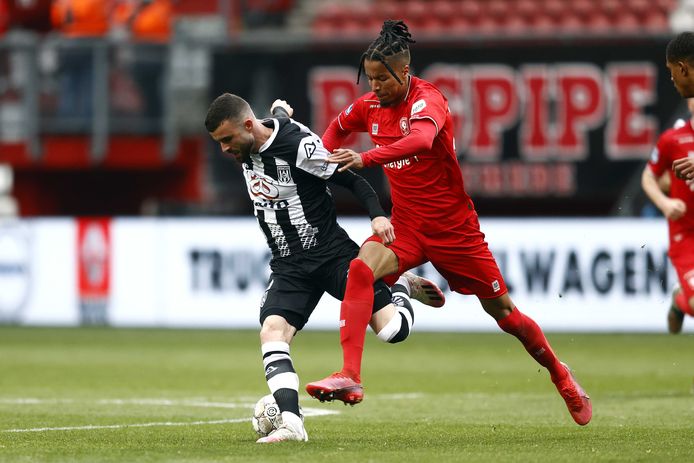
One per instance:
(525, 18)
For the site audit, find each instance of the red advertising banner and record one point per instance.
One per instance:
(94, 257)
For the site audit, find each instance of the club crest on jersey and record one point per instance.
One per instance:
(309, 148)
(374, 129)
(404, 126)
(284, 174)
(418, 106)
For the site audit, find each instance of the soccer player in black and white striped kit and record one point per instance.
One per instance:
(287, 172)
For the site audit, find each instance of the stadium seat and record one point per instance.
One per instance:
(543, 24)
(571, 24)
(527, 9)
(626, 22)
(598, 22)
(656, 23)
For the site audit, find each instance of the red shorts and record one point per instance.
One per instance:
(460, 255)
(682, 258)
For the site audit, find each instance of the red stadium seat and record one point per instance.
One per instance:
(626, 22)
(471, 10)
(543, 24)
(571, 24)
(599, 23)
(527, 9)
(656, 23)
(582, 8)
(554, 8)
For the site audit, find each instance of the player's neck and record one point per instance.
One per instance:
(262, 134)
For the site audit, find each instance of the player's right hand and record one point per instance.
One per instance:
(674, 209)
(381, 227)
(282, 104)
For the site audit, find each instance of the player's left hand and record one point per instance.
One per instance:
(381, 227)
(684, 168)
(347, 158)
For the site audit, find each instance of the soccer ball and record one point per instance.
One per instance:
(267, 416)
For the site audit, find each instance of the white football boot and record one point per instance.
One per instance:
(424, 290)
(286, 432)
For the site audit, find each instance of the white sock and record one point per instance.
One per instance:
(405, 282)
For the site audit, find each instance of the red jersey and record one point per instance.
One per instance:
(426, 187)
(675, 144)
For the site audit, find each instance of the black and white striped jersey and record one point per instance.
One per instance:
(286, 181)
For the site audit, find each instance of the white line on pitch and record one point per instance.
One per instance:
(137, 425)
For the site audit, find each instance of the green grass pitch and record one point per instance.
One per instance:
(113, 395)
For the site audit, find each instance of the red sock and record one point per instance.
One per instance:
(534, 341)
(355, 313)
(682, 304)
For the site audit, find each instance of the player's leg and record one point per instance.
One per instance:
(356, 308)
(463, 257)
(675, 316)
(287, 304)
(373, 262)
(393, 322)
(682, 258)
(524, 328)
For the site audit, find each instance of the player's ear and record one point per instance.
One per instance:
(684, 67)
(248, 124)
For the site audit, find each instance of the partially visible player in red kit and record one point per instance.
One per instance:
(678, 209)
(434, 219)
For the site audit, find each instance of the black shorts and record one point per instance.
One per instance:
(298, 282)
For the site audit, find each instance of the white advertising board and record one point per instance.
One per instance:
(569, 275)
(38, 272)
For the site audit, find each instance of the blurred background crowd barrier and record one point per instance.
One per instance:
(557, 103)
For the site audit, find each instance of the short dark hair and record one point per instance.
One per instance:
(226, 106)
(680, 48)
(393, 40)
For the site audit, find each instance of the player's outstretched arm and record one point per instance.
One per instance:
(362, 190)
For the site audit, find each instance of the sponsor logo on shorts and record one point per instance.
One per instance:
(496, 286)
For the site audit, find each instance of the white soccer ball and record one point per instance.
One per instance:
(267, 416)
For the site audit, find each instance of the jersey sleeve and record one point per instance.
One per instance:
(430, 104)
(661, 156)
(312, 157)
(353, 118)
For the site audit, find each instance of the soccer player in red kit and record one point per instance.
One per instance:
(678, 209)
(434, 219)
(680, 61)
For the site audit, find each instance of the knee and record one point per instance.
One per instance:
(498, 308)
(275, 328)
